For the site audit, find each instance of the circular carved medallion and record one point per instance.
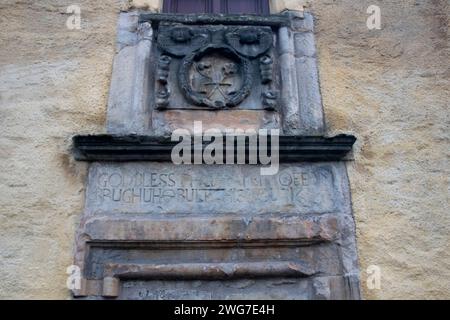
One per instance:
(215, 77)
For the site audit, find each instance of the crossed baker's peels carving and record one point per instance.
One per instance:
(216, 81)
(215, 76)
(217, 67)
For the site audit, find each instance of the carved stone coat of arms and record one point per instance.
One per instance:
(215, 67)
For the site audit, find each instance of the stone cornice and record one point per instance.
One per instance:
(150, 148)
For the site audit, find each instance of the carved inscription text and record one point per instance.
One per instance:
(158, 188)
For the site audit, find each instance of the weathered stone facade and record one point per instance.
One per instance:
(163, 228)
(388, 87)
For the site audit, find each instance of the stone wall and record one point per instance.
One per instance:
(389, 87)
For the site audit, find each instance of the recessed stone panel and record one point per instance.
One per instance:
(164, 188)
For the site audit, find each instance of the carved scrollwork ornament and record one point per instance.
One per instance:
(181, 40)
(162, 98)
(251, 42)
(162, 75)
(163, 68)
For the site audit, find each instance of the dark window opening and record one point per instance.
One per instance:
(259, 7)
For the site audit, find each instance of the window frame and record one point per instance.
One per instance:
(215, 7)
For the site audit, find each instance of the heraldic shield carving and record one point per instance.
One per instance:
(214, 67)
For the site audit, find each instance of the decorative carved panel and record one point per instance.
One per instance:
(215, 67)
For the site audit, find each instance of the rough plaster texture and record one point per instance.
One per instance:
(53, 83)
(390, 87)
(151, 5)
(281, 5)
